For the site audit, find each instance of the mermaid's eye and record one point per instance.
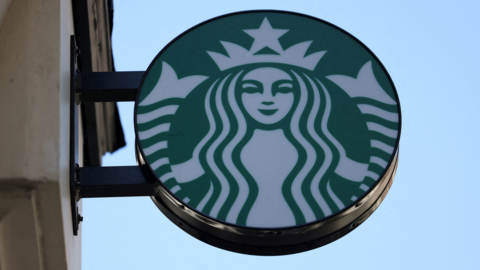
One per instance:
(249, 85)
(282, 87)
(285, 85)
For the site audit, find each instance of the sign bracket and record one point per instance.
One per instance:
(100, 182)
(221, 149)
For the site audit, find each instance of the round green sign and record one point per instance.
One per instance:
(267, 120)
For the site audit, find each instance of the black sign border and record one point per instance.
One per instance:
(278, 241)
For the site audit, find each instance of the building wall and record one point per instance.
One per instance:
(35, 217)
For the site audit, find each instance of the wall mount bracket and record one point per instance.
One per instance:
(101, 182)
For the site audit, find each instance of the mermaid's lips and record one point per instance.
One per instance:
(268, 112)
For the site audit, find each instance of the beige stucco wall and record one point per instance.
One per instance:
(35, 218)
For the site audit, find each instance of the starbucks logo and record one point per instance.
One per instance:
(263, 120)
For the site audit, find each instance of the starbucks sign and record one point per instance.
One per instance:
(268, 132)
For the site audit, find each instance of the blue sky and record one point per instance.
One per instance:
(429, 219)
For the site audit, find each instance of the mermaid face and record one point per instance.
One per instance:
(267, 94)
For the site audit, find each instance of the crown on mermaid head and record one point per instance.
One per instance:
(266, 36)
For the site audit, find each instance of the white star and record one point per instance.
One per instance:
(266, 36)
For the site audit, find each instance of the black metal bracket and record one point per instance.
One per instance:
(108, 86)
(100, 182)
(74, 198)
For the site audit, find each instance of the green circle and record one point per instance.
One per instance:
(337, 138)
